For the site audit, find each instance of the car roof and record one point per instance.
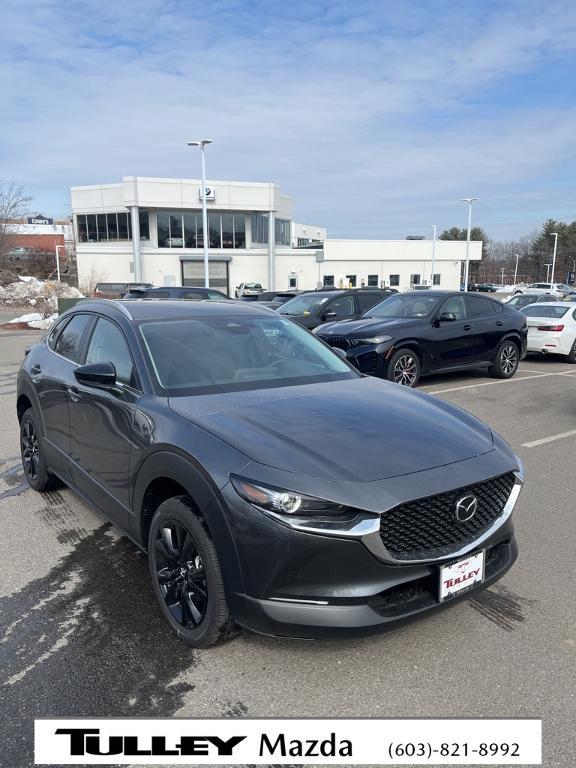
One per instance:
(141, 309)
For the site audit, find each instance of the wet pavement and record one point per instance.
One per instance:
(80, 634)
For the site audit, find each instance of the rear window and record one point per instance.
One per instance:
(543, 310)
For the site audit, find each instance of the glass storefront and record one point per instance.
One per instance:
(179, 229)
(106, 227)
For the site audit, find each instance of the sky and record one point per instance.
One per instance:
(376, 116)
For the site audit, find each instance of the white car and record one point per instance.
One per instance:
(552, 328)
(248, 289)
(554, 289)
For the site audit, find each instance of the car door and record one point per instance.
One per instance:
(101, 425)
(450, 340)
(52, 373)
(339, 308)
(487, 326)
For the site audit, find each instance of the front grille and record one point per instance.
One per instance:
(426, 529)
(342, 342)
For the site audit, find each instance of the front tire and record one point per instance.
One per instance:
(34, 464)
(186, 575)
(506, 361)
(404, 368)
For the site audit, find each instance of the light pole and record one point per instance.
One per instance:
(202, 144)
(468, 200)
(547, 270)
(433, 252)
(516, 268)
(554, 256)
(58, 262)
(502, 278)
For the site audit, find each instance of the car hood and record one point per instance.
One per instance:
(367, 325)
(353, 430)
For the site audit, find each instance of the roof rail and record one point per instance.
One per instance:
(113, 303)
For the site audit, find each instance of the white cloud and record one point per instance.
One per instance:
(340, 104)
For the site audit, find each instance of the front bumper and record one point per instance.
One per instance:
(306, 584)
(402, 602)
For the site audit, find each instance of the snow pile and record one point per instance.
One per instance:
(33, 320)
(28, 290)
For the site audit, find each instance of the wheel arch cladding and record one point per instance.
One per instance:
(164, 475)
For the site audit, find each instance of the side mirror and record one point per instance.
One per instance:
(99, 375)
(329, 315)
(446, 317)
(339, 352)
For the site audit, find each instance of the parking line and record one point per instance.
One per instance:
(550, 439)
(489, 383)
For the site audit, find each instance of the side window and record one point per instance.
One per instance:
(214, 296)
(158, 294)
(497, 306)
(478, 307)
(191, 296)
(108, 345)
(455, 305)
(69, 342)
(56, 330)
(343, 306)
(368, 300)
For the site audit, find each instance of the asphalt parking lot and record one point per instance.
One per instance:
(81, 634)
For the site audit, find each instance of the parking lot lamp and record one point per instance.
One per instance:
(202, 144)
(554, 256)
(468, 200)
(433, 251)
(516, 268)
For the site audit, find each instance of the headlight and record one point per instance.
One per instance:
(283, 502)
(374, 340)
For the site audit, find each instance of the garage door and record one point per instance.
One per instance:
(193, 274)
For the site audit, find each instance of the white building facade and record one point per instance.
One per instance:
(149, 229)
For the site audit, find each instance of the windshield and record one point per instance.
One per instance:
(543, 310)
(405, 305)
(210, 354)
(304, 305)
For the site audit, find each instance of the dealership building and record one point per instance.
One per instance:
(150, 229)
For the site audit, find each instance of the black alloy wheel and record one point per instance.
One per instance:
(186, 575)
(33, 460)
(404, 368)
(180, 573)
(30, 450)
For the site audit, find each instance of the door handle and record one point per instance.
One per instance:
(499, 322)
(36, 372)
(73, 394)
(467, 327)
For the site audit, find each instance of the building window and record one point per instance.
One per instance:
(302, 241)
(328, 281)
(239, 230)
(123, 226)
(259, 228)
(436, 279)
(177, 229)
(351, 280)
(394, 279)
(373, 281)
(144, 219)
(415, 279)
(292, 281)
(104, 227)
(81, 229)
(282, 227)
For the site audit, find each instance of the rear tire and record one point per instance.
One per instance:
(571, 357)
(404, 368)
(506, 361)
(186, 575)
(34, 464)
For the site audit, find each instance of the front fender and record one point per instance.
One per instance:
(206, 495)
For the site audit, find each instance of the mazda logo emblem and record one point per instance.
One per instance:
(465, 508)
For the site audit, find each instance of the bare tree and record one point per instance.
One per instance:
(14, 202)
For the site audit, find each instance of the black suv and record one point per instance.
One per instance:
(177, 292)
(413, 334)
(312, 309)
(272, 485)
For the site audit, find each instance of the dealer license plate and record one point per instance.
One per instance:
(459, 577)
